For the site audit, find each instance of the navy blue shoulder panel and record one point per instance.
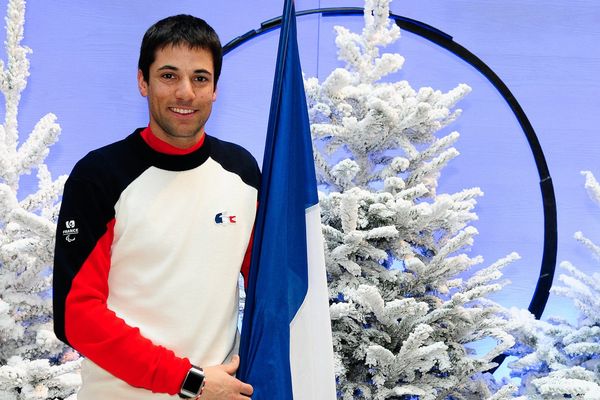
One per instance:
(112, 168)
(235, 159)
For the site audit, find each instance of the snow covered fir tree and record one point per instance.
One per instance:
(33, 363)
(408, 304)
(558, 359)
(403, 319)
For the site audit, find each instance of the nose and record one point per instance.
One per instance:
(185, 90)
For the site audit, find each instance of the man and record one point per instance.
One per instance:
(152, 234)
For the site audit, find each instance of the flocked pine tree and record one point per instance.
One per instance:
(403, 319)
(558, 359)
(33, 363)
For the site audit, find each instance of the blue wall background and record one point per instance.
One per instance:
(84, 62)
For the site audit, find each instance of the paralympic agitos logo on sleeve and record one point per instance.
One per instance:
(71, 231)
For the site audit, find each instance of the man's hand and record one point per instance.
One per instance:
(222, 385)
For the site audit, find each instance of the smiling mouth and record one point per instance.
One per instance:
(182, 111)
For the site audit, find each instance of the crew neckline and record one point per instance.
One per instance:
(159, 145)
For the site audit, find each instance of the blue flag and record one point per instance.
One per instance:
(286, 348)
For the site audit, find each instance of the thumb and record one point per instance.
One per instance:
(232, 365)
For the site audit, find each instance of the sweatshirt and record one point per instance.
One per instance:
(149, 248)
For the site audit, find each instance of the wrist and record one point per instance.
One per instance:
(192, 385)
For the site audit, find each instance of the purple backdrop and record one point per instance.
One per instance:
(83, 69)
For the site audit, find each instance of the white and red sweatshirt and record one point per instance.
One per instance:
(149, 247)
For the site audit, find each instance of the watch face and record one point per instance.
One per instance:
(193, 382)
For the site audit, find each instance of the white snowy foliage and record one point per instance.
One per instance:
(559, 359)
(404, 319)
(506, 392)
(33, 363)
(592, 186)
(38, 379)
(575, 382)
(353, 113)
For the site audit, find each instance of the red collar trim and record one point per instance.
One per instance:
(161, 146)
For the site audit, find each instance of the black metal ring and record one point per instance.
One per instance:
(542, 289)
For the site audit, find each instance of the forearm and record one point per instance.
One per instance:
(82, 317)
(97, 333)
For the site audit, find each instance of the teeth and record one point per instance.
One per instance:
(182, 110)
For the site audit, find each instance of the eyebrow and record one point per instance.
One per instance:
(173, 68)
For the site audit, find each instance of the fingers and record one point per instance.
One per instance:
(246, 389)
(232, 366)
(221, 382)
(235, 360)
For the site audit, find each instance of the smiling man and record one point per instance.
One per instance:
(180, 87)
(145, 275)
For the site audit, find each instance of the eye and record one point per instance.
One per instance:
(201, 79)
(167, 75)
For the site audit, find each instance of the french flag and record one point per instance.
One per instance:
(286, 347)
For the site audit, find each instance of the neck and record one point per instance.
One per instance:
(179, 142)
(162, 146)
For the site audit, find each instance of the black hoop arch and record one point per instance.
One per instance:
(442, 39)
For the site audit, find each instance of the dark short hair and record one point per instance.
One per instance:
(176, 31)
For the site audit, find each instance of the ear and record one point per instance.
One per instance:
(142, 84)
(214, 95)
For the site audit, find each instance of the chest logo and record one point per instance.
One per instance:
(71, 231)
(223, 218)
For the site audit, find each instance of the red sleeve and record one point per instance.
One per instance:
(96, 332)
(81, 316)
(247, 260)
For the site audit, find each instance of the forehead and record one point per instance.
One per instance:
(183, 57)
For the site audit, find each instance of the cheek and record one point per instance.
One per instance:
(206, 95)
(206, 99)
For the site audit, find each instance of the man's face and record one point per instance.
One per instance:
(180, 92)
